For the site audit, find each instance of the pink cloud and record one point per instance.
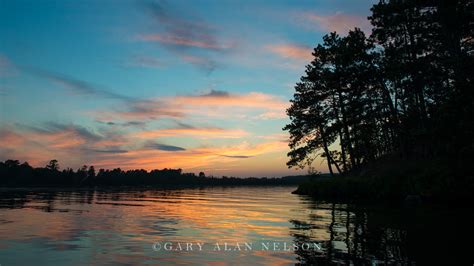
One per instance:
(10, 138)
(202, 133)
(338, 22)
(74, 144)
(205, 42)
(254, 104)
(292, 51)
(74, 149)
(249, 100)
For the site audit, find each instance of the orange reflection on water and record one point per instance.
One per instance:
(121, 227)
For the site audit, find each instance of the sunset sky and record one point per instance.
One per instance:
(197, 85)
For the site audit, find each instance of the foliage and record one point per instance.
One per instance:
(14, 174)
(391, 179)
(404, 92)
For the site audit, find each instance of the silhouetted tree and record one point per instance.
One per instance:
(14, 174)
(405, 91)
(339, 99)
(53, 165)
(91, 172)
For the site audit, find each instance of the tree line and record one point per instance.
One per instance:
(405, 91)
(13, 173)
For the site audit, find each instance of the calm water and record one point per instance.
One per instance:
(134, 226)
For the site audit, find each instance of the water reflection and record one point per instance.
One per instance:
(384, 234)
(349, 237)
(65, 227)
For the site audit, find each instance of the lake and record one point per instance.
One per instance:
(222, 225)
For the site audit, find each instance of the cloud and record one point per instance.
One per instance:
(163, 147)
(233, 103)
(145, 62)
(124, 124)
(237, 156)
(180, 32)
(53, 135)
(253, 105)
(339, 22)
(76, 86)
(196, 158)
(113, 151)
(223, 98)
(283, 137)
(148, 110)
(184, 125)
(75, 145)
(52, 128)
(174, 40)
(216, 93)
(69, 142)
(186, 35)
(195, 132)
(206, 64)
(292, 51)
(10, 138)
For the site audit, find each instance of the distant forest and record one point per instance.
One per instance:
(404, 93)
(16, 174)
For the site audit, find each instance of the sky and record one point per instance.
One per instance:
(197, 85)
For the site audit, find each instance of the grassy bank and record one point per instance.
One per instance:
(434, 181)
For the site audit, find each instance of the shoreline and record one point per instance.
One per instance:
(412, 182)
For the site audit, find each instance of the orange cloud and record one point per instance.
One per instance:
(253, 105)
(54, 139)
(75, 146)
(249, 150)
(292, 51)
(213, 104)
(142, 110)
(250, 100)
(203, 133)
(10, 138)
(197, 158)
